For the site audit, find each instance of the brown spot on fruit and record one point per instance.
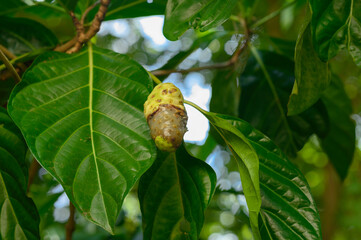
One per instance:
(172, 90)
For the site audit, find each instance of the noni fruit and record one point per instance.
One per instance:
(166, 116)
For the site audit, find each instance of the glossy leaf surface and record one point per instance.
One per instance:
(82, 118)
(174, 194)
(18, 215)
(181, 15)
(339, 143)
(288, 210)
(310, 72)
(247, 161)
(259, 107)
(336, 24)
(135, 8)
(51, 15)
(69, 5)
(21, 35)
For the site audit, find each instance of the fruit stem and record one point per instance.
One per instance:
(155, 79)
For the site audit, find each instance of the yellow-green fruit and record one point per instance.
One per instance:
(166, 116)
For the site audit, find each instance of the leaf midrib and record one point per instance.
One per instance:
(91, 79)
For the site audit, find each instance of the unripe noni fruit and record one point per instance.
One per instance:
(166, 116)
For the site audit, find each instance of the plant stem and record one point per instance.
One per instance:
(271, 15)
(125, 7)
(33, 171)
(195, 106)
(82, 35)
(155, 79)
(70, 225)
(11, 68)
(226, 64)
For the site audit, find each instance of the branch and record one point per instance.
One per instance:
(231, 62)
(82, 36)
(70, 225)
(33, 171)
(271, 15)
(67, 45)
(87, 11)
(7, 52)
(11, 68)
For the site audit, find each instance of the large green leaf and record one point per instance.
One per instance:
(50, 15)
(19, 218)
(173, 195)
(311, 74)
(82, 118)
(261, 106)
(5, 89)
(203, 15)
(20, 35)
(247, 161)
(339, 143)
(336, 24)
(226, 90)
(69, 5)
(10, 6)
(288, 210)
(135, 8)
(123, 9)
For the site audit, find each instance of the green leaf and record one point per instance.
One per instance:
(5, 89)
(277, 45)
(202, 151)
(69, 5)
(9, 6)
(181, 15)
(135, 8)
(226, 92)
(19, 218)
(174, 194)
(82, 117)
(20, 35)
(336, 24)
(339, 143)
(311, 75)
(288, 210)
(261, 106)
(50, 15)
(247, 161)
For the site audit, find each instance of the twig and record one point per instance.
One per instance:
(229, 63)
(82, 36)
(11, 68)
(33, 171)
(271, 15)
(70, 225)
(67, 45)
(87, 11)
(7, 53)
(195, 69)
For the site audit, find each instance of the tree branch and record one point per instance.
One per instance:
(67, 45)
(33, 171)
(70, 225)
(231, 62)
(82, 36)
(87, 11)
(11, 68)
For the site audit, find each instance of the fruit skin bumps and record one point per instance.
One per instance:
(166, 116)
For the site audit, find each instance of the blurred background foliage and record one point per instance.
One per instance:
(226, 217)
